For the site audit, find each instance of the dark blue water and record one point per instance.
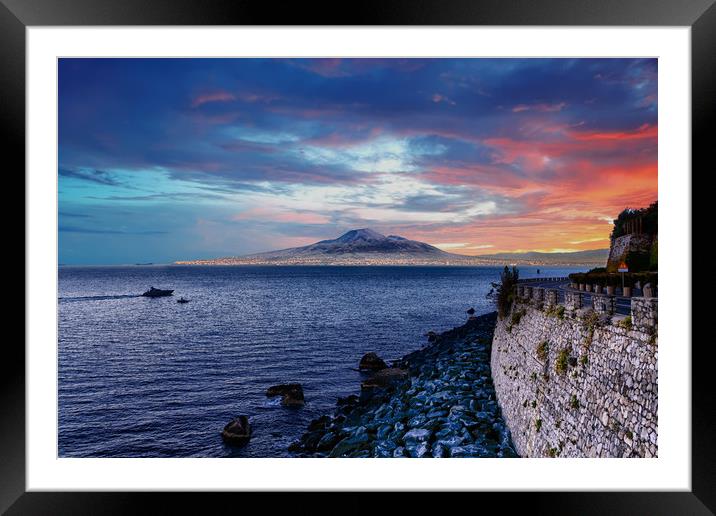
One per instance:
(142, 377)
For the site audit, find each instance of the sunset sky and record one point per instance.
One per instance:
(170, 159)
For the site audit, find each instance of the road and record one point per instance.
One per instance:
(623, 304)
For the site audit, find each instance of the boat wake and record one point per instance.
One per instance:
(96, 298)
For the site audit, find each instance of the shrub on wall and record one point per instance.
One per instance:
(543, 350)
(654, 256)
(638, 260)
(560, 364)
(517, 317)
(503, 293)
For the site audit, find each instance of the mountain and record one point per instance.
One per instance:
(356, 247)
(591, 257)
(368, 247)
(361, 241)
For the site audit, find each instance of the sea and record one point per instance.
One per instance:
(150, 377)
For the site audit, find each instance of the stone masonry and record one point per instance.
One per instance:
(576, 382)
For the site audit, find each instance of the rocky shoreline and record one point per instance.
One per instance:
(436, 402)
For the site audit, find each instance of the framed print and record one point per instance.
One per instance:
(415, 250)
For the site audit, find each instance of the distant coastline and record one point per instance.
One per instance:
(368, 247)
(376, 262)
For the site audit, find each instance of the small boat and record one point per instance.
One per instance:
(237, 432)
(157, 292)
(182, 300)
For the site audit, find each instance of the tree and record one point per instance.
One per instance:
(503, 293)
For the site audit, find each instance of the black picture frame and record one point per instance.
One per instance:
(700, 15)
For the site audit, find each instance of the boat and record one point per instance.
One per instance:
(157, 292)
(237, 432)
(182, 300)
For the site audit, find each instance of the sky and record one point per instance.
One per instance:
(173, 159)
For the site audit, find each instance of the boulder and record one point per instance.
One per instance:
(418, 450)
(328, 441)
(355, 442)
(385, 378)
(399, 452)
(292, 393)
(320, 423)
(371, 362)
(237, 432)
(439, 451)
(417, 435)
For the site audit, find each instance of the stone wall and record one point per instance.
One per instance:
(623, 246)
(575, 382)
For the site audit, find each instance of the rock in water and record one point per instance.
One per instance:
(371, 362)
(237, 432)
(471, 311)
(292, 393)
(385, 377)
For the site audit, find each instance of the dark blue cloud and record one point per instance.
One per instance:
(94, 176)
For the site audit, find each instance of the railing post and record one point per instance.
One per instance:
(551, 297)
(603, 304)
(572, 300)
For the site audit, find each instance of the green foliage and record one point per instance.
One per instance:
(553, 452)
(590, 319)
(503, 293)
(629, 434)
(638, 261)
(538, 425)
(516, 317)
(562, 361)
(626, 323)
(654, 256)
(574, 402)
(543, 350)
(555, 311)
(649, 221)
(583, 360)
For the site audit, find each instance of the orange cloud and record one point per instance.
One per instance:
(216, 96)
